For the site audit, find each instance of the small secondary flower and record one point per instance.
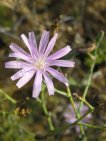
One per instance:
(70, 117)
(38, 62)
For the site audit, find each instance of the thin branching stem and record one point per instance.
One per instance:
(60, 92)
(43, 102)
(91, 126)
(76, 112)
(91, 71)
(7, 96)
(84, 101)
(64, 127)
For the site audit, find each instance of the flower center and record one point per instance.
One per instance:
(40, 63)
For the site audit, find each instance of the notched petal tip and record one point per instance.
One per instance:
(18, 85)
(56, 34)
(31, 32)
(10, 55)
(35, 95)
(6, 65)
(46, 31)
(22, 35)
(12, 78)
(11, 45)
(73, 64)
(51, 94)
(69, 48)
(67, 84)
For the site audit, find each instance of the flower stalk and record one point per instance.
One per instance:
(84, 100)
(7, 96)
(91, 71)
(69, 95)
(43, 102)
(76, 113)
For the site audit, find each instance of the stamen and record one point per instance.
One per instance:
(40, 63)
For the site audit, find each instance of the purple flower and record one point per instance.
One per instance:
(38, 62)
(70, 116)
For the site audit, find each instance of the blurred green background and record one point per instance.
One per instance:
(79, 24)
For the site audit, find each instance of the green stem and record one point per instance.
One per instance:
(91, 126)
(77, 122)
(91, 71)
(8, 97)
(73, 105)
(69, 95)
(84, 100)
(27, 131)
(46, 111)
(60, 92)
(89, 105)
(58, 130)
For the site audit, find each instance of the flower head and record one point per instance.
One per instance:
(38, 62)
(70, 116)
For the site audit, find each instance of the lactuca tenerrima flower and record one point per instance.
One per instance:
(70, 117)
(38, 62)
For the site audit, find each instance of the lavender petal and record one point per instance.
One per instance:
(16, 64)
(21, 73)
(26, 78)
(44, 41)
(49, 83)
(26, 41)
(15, 48)
(60, 53)
(51, 45)
(33, 44)
(37, 84)
(59, 76)
(62, 63)
(21, 56)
